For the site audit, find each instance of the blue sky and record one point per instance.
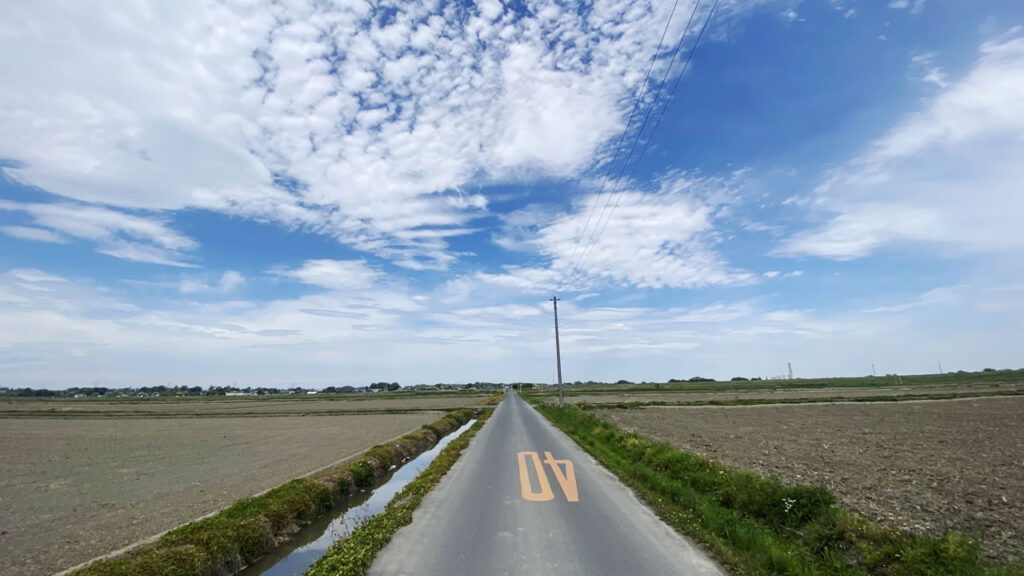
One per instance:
(301, 192)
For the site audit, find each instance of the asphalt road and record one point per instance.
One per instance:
(493, 514)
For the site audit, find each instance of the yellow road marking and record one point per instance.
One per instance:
(545, 493)
(566, 479)
(565, 475)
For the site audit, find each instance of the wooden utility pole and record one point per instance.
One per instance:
(558, 354)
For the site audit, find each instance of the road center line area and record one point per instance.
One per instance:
(524, 499)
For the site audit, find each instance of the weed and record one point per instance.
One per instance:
(362, 473)
(353, 556)
(759, 525)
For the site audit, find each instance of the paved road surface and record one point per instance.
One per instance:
(493, 514)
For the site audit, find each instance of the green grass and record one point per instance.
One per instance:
(760, 526)
(353, 556)
(249, 528)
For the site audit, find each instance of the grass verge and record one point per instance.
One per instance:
(236, 536)
(353, 556)
(760, 526)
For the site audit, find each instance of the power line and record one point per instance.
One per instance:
(601, 226)
(619, 180)
(629, 122)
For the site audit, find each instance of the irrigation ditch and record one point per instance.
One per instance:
(296, 556)
(296, 518)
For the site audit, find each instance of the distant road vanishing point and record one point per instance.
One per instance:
(524, 499)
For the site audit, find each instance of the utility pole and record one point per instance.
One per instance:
(558, 354)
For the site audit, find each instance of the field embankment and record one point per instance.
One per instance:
(762, 525)
(920, 466)
(229, 540)
(75, 488)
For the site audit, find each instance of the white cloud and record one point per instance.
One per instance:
(115, 233)
(650, 240)
(34, 277)
(333, 274)
(924, 66)
(57, 331)
(228, 282)
(553, 120)
(34, 234)
(323, 116)
(947, 175)
(916, 7)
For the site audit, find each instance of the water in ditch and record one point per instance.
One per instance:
(294, 557)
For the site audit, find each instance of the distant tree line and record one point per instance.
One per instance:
(181, 391)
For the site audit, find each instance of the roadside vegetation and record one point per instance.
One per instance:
(236, 536)
(353, 555)
(760, 526)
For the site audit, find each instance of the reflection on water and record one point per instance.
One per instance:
(297, 555)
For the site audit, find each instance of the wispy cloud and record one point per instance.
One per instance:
(227, 283)
(665, 238)
(34, 234)
(915, 6)
(947, 175)
(115, 233)
(332, 274)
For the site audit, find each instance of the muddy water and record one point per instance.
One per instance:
(296, 556)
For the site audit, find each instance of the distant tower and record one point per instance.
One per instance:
(790, 365)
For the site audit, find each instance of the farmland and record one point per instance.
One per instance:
(794, 391)
(920, 466)
(82, 478)
(237, 405)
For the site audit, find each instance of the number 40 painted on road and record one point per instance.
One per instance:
(566, 477)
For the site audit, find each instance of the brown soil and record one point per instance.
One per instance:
(921, 466)
(72, 489)
(236, 405)
(790, 394)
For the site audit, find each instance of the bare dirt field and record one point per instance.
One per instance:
(787, 394)
(236, 405)
(73, 488)
(922, 466)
